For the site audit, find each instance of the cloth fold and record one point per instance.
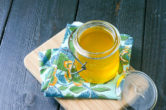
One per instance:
(58, 81)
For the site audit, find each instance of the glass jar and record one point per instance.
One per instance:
(96, 45)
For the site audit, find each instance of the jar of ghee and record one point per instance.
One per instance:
(97, 43)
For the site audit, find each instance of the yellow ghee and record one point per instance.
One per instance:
(97, 40)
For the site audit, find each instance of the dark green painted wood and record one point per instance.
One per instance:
(130, 20)
(154, 51)
(126, 15)
(4, 11)
(30, 23)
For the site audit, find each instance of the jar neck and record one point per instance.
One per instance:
(97, 55)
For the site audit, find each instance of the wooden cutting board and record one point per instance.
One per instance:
(31, 63)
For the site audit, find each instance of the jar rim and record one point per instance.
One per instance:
(86, 53)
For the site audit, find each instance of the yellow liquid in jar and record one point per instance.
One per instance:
(97, 39)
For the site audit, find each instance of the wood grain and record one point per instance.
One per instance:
(126, 15)
(29, 24)
(154, 51)
(4, 12)
(32, 64)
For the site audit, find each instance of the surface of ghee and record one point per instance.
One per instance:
(96, 39)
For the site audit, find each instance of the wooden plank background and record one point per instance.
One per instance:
(25, 24)
(5, 7)
(154, 47)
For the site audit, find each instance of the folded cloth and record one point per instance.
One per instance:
(57, 81)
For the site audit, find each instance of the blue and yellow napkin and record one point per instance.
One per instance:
(58, 81)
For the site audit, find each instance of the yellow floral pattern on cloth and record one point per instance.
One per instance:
(60, 78)
(54, 78)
